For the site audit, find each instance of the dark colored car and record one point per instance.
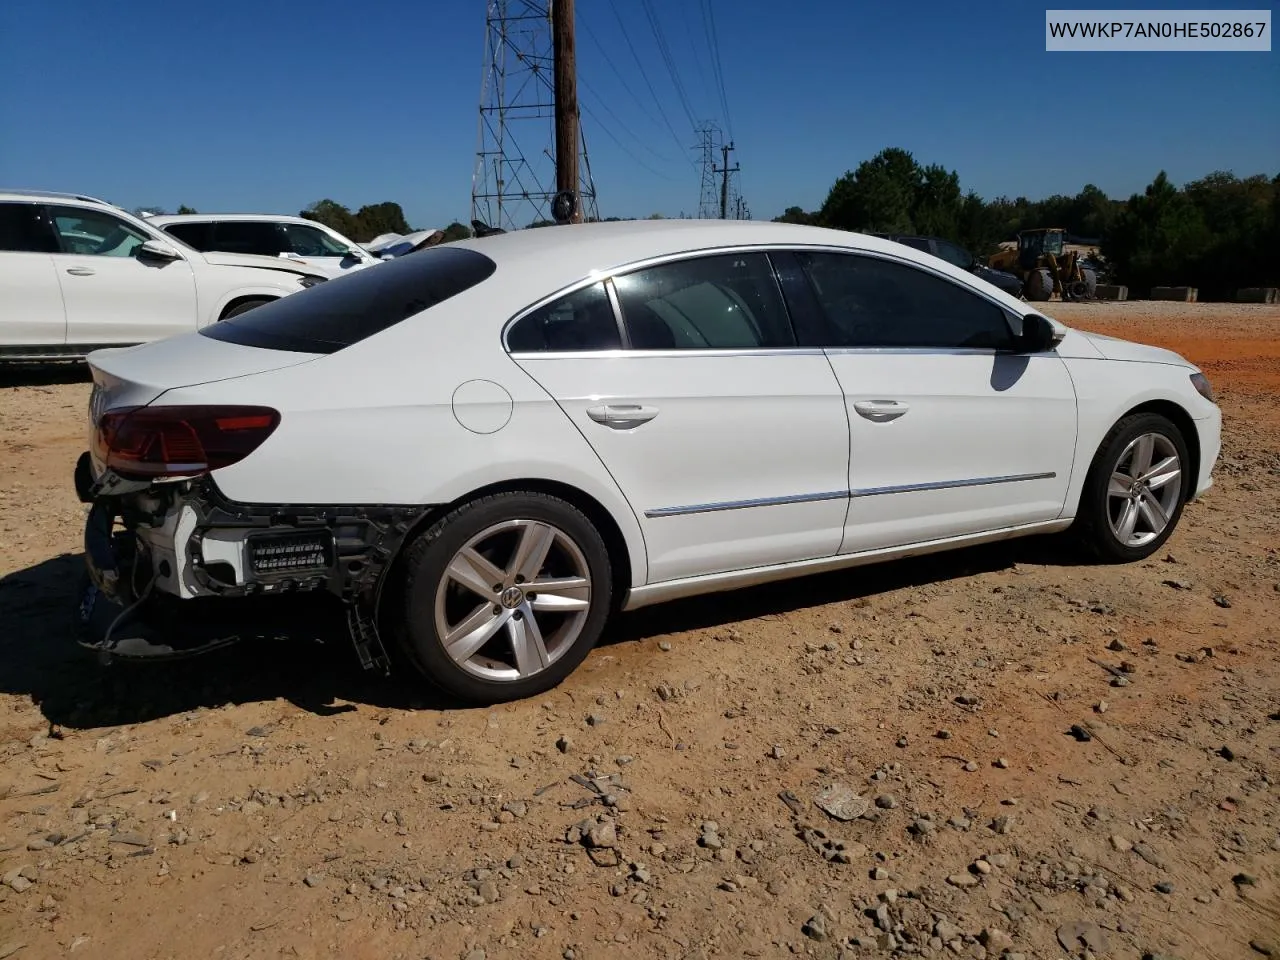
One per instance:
(955, 254)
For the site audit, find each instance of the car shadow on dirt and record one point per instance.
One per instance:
(43, 374)
(40, 659)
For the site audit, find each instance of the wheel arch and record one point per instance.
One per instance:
(245, 298)
(615, 541)
(1181, 419)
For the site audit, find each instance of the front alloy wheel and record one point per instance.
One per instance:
(505, 596)
(1135, 490)
(1144, 489)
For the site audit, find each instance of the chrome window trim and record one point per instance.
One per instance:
(607, 275)
(654, 513)
(616, 354)
(949, 484)
(682, 511)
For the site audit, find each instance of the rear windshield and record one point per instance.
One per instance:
(358, 304)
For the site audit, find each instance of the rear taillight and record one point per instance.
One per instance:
(172, 442)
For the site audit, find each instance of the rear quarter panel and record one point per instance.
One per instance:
(376, 423)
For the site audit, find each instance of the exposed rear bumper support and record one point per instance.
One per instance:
(192, 570)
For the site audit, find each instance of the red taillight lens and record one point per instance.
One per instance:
(150, 442)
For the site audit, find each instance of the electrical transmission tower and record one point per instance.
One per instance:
(514, 181)
(708, 145)
(725, 171)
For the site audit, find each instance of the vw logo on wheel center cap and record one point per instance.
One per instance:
(511, 597)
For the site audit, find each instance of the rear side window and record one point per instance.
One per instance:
(23, 229)
(247, 236)
(197, 235)
(346, 310)
(723, 302)
(582, 320)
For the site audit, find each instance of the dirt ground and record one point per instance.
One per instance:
(275, 802)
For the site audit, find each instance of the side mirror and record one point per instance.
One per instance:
(157, 250)
(1038, 334)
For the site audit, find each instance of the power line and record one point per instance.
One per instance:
(616, 72)
(546, 81)
(713, 41)
(643, 73)
(665, 52)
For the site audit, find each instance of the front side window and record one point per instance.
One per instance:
(311, 242)
(872, 302)
(23, 229)
(721, 302)
(582, 320)
(247, 236)
(95, 233)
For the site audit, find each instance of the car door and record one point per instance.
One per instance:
(31, 310)
(112, 295)
(952, 431)
(729, 441)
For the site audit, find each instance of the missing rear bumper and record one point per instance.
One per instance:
(179, 570)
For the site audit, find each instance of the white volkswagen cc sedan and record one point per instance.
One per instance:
(485, 449)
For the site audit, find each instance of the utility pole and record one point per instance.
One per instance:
(725, 170)
(514, 180)
(566, 104)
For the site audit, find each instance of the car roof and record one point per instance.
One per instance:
(209, 217)
(538, 262)
(36, 196)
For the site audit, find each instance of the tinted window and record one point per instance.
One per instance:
(870, 302)
(311, 242)
(919, 243)
(23, 229)
(95, 233)
(956, 255)
(198, 235)
(247, 236)
(583, 320)
(729, 301)
(340, 312)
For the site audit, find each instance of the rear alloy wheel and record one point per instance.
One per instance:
(1134, 494)
(505, 596)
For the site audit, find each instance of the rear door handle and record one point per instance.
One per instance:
(880, 411)
(622, 416)
(80, 271)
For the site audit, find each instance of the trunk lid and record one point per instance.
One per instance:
(138, 376)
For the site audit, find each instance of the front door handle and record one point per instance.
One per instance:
(880, 411)
(80, 271)
(622, 416)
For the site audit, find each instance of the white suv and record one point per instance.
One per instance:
(269, 235)
(79, 274)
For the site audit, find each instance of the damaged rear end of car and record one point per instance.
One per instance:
(166, 549)
(177, 563)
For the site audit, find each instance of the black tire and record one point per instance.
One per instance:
(1093, 519)
(427, 560)
(1039, 285)
(244, 306)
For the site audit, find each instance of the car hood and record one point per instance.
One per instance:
(263, 263)
(1115, 349)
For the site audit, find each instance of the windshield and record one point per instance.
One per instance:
(347, 309)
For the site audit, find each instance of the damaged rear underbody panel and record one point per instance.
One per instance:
(162, 558)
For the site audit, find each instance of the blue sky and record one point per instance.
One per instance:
(267, 106)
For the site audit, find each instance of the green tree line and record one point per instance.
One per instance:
(1218, 233)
